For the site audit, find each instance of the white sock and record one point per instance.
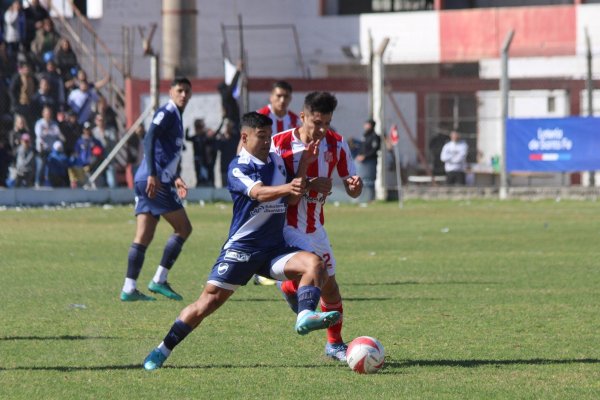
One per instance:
(302, 314)
(161, 274)
(163, 349)
(129, 286)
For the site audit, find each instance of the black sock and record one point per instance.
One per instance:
(172, 250)
(135, 260)
(178, 332)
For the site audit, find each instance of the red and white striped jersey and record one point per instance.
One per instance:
(334, 153)
(289, 121)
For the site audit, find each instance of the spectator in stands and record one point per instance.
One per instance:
(23, 86)
(25, 162)
(46, 132)
(5, 154)
(81, 76)
(14, 136)
(7, 66)
(71, 131)
(201, 152)
(14, 30)
(82, 100)
(66, 61)
(35, 15)
(367, 158)
(107, 112)
(57, 166)
(4, 95)
(454, 155)
(435, 148)
(57, 85)
(108, 138)
(87, 156)
(42, 98)
(227, 143)
(46, 39)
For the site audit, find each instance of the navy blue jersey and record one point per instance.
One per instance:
(163, 145)
(255, 226)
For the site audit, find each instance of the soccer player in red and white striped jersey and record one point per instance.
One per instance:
(283, 119)
(305, 220)
(277, 109)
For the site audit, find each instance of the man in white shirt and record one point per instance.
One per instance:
(454, 156)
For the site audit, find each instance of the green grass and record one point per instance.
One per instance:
(472, 300)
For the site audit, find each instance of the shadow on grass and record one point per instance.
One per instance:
(398, 283)
(279, 300)
(173, 367)
(390, 365)
(62, 337)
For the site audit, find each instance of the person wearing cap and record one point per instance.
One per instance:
(25, 162)
(88, 151)
(159, 191)
(367, 158)
(57, 165)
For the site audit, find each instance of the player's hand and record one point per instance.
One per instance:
(354, 185)
(298, 186)
(321, 184)
(311, 152)
(152, 186)
(181, 187)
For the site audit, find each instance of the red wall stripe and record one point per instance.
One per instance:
(469, 35)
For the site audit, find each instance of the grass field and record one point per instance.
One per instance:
(472, 300)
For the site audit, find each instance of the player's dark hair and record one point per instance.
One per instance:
(255, 120)
(181, 80)
(322, 102)
(282, 85)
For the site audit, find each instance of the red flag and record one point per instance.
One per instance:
(394, 134)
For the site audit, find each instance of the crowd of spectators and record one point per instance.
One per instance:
(55, 126)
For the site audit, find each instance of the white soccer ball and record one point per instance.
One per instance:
(365, 355)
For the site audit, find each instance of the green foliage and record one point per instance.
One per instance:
(472, 300)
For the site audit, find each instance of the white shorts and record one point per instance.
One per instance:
(316, 242)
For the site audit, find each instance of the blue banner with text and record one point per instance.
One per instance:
(553, 144)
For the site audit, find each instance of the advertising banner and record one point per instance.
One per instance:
(553, 144)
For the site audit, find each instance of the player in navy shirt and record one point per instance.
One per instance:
(158, 192)
(260, 191)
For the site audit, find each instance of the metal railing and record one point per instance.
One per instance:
(94, 57)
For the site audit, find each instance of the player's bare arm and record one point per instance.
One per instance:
(264, 193)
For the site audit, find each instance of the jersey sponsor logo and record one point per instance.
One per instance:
(278, 208)
(320, 198)
(158, 118)
(222, 268)
(328, 156)
(237, 256)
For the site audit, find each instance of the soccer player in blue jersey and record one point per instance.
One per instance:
(158, 192)
(260, 190)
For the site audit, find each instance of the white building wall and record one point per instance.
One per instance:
(521, 104)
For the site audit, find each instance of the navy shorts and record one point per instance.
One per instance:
(235, 267)
(166, 200)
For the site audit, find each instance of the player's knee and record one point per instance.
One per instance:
(315, 265)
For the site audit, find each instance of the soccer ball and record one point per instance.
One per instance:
(365, 355)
